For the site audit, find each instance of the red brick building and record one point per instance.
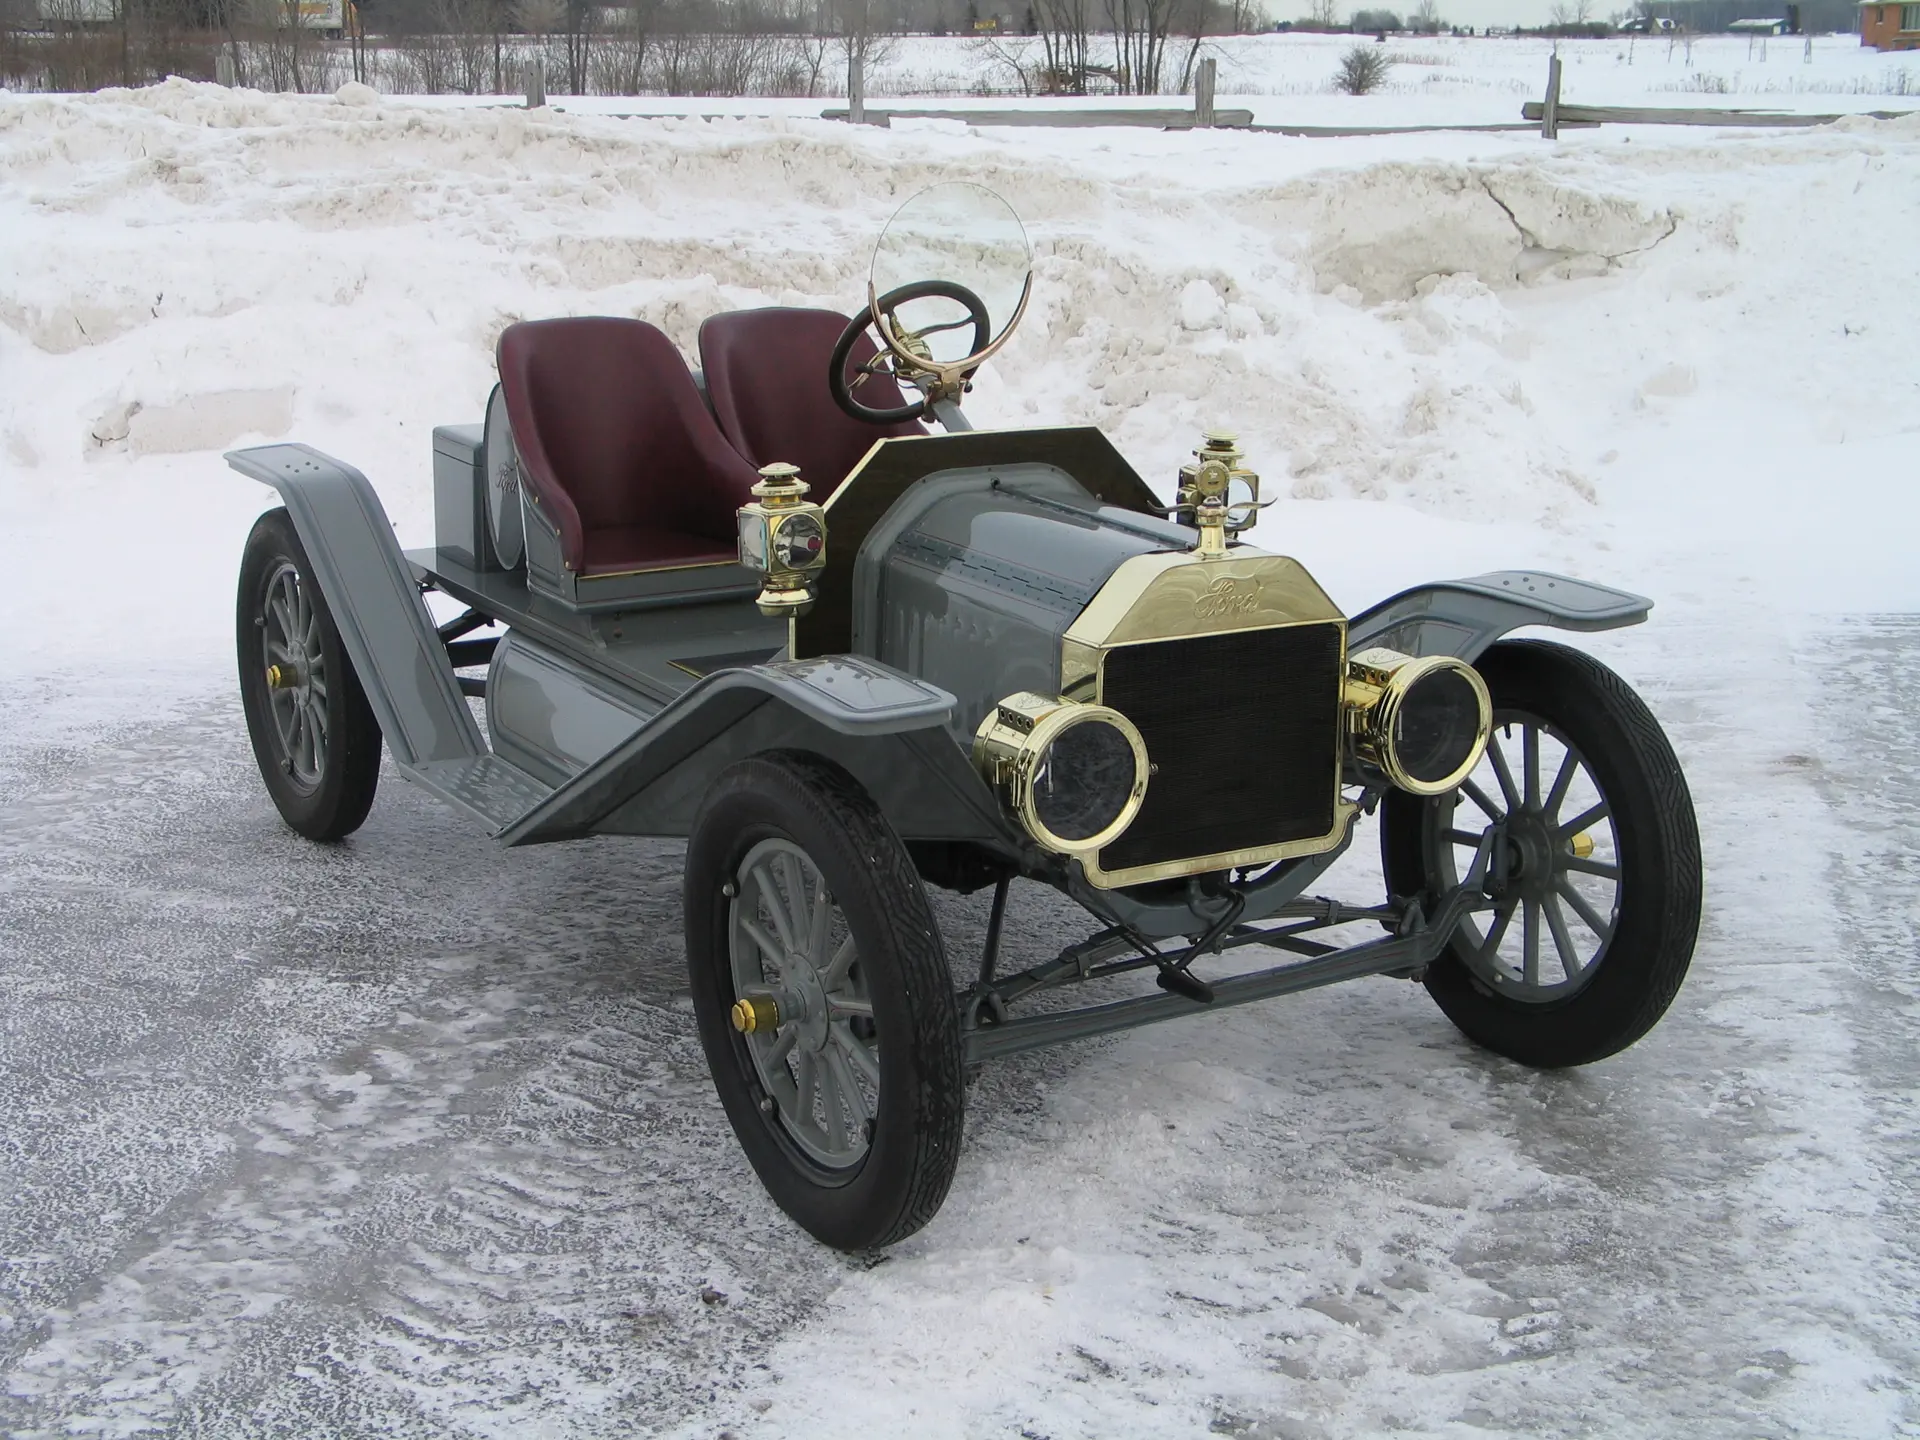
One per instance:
(1889, 27)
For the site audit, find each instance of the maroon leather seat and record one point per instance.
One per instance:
(616, 447)
(767, 380)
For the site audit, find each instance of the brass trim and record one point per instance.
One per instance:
(1378, 683)
(1179, 595)
(1344, 812)
(1184, 595)
(752, 1014)
(1014, 738)
(779, 507)
(896, 462)
(949, 381)
(1210, 478)
(653, 570)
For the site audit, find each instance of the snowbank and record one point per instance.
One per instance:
(1473, 328)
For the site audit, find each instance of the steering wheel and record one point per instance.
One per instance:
(881, 364)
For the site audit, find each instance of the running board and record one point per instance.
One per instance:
(484, 787)
(370, 591)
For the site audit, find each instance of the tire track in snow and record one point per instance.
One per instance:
(1328, 1216)
(435, 1188)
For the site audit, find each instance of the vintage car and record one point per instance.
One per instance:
(762, 607)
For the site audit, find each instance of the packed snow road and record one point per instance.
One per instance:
(412, 1137)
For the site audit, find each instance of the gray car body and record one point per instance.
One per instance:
(961, 593)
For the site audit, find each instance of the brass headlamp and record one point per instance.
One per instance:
(1422, 723)
(783, 536)
(1073, 774)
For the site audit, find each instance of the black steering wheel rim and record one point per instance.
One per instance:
(893, 299)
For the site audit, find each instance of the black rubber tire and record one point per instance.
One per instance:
(1640, 968)
(334, 807)
(909, 1165)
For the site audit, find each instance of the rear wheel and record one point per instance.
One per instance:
(824, 1001)
(1592, 898)
(313, 733)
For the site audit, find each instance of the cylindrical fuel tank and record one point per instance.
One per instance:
(548, 717)
(974, 575)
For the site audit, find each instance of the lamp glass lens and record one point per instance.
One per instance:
(798, 541)
(1084, 779)
(1437, 726)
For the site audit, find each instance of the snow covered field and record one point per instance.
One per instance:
(1447, 80)
(413, 1138)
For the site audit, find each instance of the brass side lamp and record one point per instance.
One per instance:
(783, 536)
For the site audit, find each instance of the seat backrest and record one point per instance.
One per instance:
(612, 433)
(767, 379)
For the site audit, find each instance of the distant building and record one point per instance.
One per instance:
(1890, 27)
(1758, 27)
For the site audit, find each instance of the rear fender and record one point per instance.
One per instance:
(1464, 617)
(370, 591)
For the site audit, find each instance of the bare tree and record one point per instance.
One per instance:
(857, 28)
(295, 60)
(1324, 14)
(582, 22)
(1426, 18)
(620, 62)
(1141, 32)
(1065, 30)
(1245, 17)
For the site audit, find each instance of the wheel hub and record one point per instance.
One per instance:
(800, 1005)
(1529, 847)
(809, 1014)
(1551, 890)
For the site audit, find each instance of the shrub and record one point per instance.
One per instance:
(1362, 69)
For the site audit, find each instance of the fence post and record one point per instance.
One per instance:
(1550, 111)
(856, 87)
(1203, 94)
(223, 69)
(537, 83)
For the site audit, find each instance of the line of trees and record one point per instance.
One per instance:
(1126, 47)
(689, 47)
(678, 47)
(1585, 17)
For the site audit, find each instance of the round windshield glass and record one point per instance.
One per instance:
(963, 235)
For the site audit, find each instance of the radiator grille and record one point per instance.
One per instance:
(1244, 730)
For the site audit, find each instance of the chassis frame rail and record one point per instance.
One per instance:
(986, 1034)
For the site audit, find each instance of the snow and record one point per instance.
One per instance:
(1682, 361)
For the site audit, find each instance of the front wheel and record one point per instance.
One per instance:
(824, 1000)
(1591, 904)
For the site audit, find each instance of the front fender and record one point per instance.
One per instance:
(885, 728)
(1464, 617)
